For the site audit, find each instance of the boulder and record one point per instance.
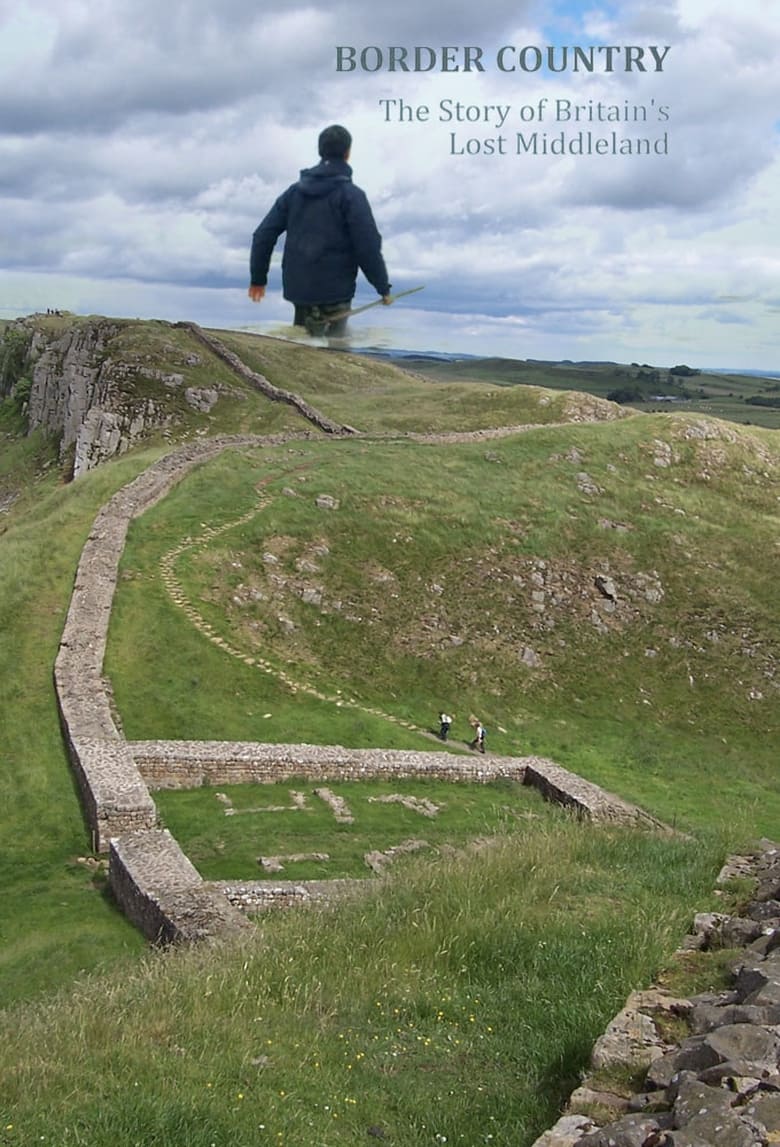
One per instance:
(707, 1017)
(694, 1098)
(753, 975)
(765, 1110)
(634, 1130)
(566, 1132)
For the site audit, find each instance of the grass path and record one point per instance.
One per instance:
(181, 601)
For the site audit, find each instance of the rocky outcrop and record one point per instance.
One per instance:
(105, 433)
(67, 377)
(720, 1083)
(100, 400)
(84, 395)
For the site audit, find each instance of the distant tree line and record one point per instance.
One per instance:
(763, 400)
(684, 371)
(644, 382)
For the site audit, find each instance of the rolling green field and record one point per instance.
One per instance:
(380, 398)
(718, 395)
(673, 678)
(600, 588)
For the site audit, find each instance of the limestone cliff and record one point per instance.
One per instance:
(78, 392)
(98, 399)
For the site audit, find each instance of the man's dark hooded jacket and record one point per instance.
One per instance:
(330, 234)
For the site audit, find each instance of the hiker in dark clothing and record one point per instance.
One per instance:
(331, 234)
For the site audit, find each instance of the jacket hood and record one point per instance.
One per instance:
(323, 178)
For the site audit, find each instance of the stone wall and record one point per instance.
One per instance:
(113, 794)
(261, 383)
(718, 1081)
(114, 776)
(115, 797)
(163, 894)
(189, 764)
(588, 800)
(256, 895)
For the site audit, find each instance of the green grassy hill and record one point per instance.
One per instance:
(467, 576)
(598, 586)
(380, 397)
(747, 399)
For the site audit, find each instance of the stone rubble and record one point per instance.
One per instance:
(379, 861)
(338, 806)
(421, 805)
(277, 863)
(252, 896)
(720, 1085)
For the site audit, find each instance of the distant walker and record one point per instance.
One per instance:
(480, 733)
(445, 720)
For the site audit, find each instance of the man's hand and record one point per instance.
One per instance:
(256, 293)
(387, 300)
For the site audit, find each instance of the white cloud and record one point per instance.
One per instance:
(142, 143)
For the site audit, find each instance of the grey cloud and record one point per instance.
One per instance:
(187, 55)
(171, 59)
(149, 139)
(694, 175)
(436, 23)
(719, 135)
(723, 317)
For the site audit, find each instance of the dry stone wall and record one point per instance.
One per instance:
(113, 793)
(114, 777)
(718, 1083)
(261, 383)
(116, 799)
(588, 800)
(162, 892)
(189, 764)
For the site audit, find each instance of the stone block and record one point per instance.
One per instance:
(114, 795)
(162, 893)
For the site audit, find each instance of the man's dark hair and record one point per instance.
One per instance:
(334, 142)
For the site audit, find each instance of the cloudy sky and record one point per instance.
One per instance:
(141, 142)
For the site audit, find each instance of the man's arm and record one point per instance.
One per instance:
(366, 241)
(263, 242)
